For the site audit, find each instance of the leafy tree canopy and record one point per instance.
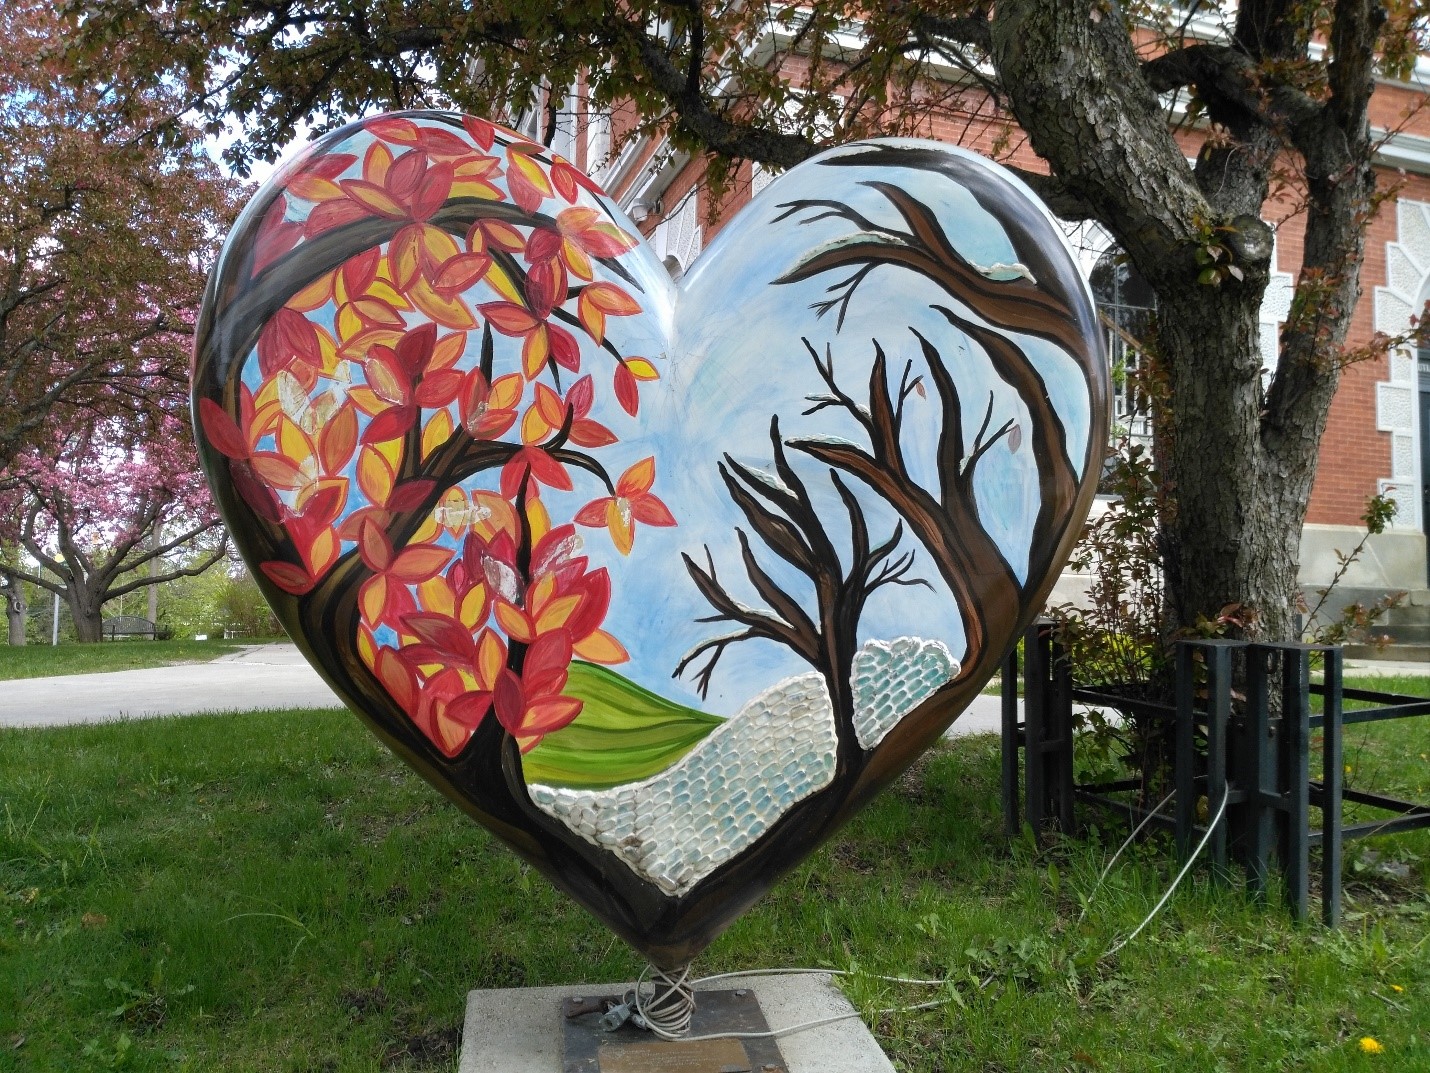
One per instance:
(101, 238)
(1281, 90)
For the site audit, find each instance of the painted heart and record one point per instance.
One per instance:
(661, 584)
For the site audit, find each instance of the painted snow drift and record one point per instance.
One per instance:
(659, 583)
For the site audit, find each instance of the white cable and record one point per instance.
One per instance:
(1121, 849)
(667, 1012)
(1221, 811)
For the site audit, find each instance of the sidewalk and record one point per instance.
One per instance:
(254, 678)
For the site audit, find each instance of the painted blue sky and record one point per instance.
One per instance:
(732, 360)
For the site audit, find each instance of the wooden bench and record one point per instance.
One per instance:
(133, 626)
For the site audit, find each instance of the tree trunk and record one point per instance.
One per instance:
(13, 593)
(86, 611)
(1232, 534)
(1239, 459)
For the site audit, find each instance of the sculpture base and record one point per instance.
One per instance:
(522, 1030)
(587, 1048)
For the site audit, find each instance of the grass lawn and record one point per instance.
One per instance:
(276, 892)
(46, 661)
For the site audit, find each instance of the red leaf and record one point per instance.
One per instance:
(414, 349)
(431, 194)
(406, 174)
(470, 709)
(442, 633)
(390, 424)
(565, 349)
(543, 245)
(292, 579)
(439, 389)
(480, 130)
(580, 395)
(592, 612)
(510, 701)
(627, 390)
(593, 513)
(410, 495)
(221, 430)
(544, 670)
(260, 498)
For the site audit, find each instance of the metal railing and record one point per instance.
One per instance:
(1253, 751)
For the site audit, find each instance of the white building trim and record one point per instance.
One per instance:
(1397, 410)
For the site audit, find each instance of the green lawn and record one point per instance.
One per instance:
(276, 892)
(46, 661)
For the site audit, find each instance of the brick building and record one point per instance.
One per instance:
(1378, 436)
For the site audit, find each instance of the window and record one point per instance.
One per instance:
(1126, 300)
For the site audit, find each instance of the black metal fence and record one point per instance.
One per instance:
(1246, 756)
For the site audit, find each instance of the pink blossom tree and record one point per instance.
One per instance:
(102, 504)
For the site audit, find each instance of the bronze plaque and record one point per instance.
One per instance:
(707, 1056)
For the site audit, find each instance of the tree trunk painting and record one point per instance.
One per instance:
(503, 488)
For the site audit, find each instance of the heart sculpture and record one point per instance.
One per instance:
(660, 583)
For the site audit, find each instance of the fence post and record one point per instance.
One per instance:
(1035, 700)
(1059, 726)
(1184, 768)
(1218, 717)
(1293, 764)
(1010, 742)
(1332, 773)
(1256, 772)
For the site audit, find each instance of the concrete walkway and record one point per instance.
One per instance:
(254, 678)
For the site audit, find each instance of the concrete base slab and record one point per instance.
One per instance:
(518, 1030)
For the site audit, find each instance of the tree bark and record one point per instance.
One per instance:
(13, 593)
(1240, 460)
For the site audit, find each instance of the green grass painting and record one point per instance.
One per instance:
(623, 733)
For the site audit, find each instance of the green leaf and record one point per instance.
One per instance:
(623, 734)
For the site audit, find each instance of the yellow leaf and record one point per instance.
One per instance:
(436, 432)
(502, 284)
(437, 596)
(314, 295)
(641, 369)
(447, 312)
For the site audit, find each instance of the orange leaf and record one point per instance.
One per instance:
(554, 616)
(508, 318)
(338, 439)
(414, 564)
(375, 476)
(437, 596)
(601, 647)
(448, 351)
(637, 479)
(278, 471)
(610, 299)
(448, 312)
(516, 624)
(372, 599)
